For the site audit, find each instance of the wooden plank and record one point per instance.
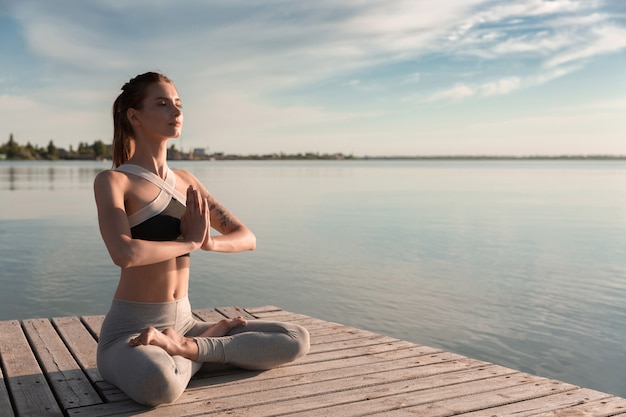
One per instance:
(322, 396)
(353, 351)
(26, 382)
(304, 374)
(535, 406)
(336, 379)
(434, 395)
(93, 324)
(209, 315)
(485, 401)
(280, 315)
(246, 382)
(81, 343)
(232, 312)
(605, 407)
(263, 309)
(5, 402)
(122, 408)
(70, 384)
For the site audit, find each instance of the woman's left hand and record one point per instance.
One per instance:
(196, 221)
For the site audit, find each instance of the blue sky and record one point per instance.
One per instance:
(379, 77)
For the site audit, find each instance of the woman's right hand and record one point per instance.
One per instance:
(195, 223)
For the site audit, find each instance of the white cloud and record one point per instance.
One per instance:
(503, 86)
(456, 93)
(604, 40)
(492, 88)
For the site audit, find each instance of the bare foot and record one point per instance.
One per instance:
(168, 340)
(222, 327)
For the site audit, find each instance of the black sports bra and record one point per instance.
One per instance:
(159, 220)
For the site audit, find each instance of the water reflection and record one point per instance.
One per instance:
(35, 175)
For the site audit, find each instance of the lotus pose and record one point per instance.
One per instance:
(151, 218)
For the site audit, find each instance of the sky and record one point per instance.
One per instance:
(358, 77)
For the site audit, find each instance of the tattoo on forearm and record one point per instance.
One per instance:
(224, 219)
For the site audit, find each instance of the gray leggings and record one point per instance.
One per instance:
(150, 376)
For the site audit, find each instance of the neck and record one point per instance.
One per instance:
(152, 156)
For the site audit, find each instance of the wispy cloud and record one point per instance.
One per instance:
(602, 40)
(491, 88)
(549, 39)
(456, 93)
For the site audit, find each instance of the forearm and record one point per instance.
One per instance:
(239, 240)
(137, 252)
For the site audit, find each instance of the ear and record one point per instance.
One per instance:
(133, 117)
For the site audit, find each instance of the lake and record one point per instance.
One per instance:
(520, 263)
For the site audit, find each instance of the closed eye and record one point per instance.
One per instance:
(161, 101)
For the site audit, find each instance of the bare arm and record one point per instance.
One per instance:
(235, 236)
(110, 189)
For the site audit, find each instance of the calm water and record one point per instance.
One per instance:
(518, 263)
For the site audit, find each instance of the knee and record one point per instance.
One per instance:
(155, 387)
(301, 342)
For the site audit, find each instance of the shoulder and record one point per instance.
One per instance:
(187, 177)
(110, 181)
(109, 177)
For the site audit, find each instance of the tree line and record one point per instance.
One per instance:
(99, 150)
(14, 151)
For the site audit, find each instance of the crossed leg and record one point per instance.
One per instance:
(177, 345)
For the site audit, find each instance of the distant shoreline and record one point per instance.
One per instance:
(100, 151)
(341, 157)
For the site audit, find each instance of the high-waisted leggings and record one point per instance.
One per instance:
(150, 376)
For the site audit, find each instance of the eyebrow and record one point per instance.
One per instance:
(167, 98)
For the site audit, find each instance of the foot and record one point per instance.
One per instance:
(168, 340)
(222, 327)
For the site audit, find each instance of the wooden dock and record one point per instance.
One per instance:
(49, 369)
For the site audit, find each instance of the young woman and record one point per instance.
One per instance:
(151, 218)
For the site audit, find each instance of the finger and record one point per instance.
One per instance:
(199, 200)
(190, 196)
(192, 199)
(207, 211)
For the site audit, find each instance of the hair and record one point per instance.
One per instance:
(132, 96)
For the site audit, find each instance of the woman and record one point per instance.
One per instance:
(151, 218)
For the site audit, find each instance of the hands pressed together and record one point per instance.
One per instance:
(195, 224)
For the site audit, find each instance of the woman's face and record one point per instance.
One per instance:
(161, 114)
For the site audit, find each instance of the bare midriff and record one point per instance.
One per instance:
(161, 282)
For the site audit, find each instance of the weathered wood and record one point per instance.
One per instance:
(81, 344)
(348, 372)
(605, 407)
(70, 385)
(232, 312)
(529, 389)
(209, 315)
(93, 324)
(6, 409)
(534, 406)
(28, 386)
(256, 311)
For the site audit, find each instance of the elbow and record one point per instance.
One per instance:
(252, 244)
(122, 258)
(122, 261)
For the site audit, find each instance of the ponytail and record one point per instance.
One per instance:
(132, 96)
